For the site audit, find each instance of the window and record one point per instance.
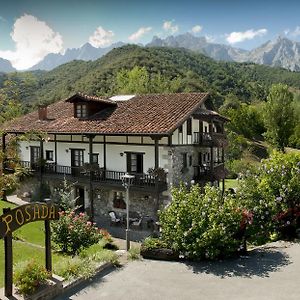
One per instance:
(134, 162)
(190, 160)
(118, 200)
(49, 155)
(81, 110)
(180, 129)
(95, 159)
(184, 160)
(189, 126)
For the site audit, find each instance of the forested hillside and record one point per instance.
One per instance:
(194, 72)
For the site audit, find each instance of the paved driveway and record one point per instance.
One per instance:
(269, 273)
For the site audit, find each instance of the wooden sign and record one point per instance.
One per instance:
(12, 219)
(17, 217)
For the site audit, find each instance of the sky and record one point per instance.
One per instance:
(31, 29)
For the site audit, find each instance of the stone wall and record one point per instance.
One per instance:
(176, 172)
(141, 202)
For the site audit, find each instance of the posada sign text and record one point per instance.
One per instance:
(15, 218)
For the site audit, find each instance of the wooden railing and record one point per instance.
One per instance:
(99, 175)
(206, 138)
(205, 171)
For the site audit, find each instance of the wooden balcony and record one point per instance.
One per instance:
(207, 139)
(99, 176)
(206, 173)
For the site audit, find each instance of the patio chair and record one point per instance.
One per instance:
(114, 220)
(137, 223)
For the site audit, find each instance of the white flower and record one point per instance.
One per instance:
(278, 199)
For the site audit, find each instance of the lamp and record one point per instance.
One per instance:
(127, 181)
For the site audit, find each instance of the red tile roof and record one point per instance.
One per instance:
(144, 114)
(87, 98)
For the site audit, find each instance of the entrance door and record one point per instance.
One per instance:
(35, 154)
(79, 194)
(76, 161)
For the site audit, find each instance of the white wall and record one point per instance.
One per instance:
(114, 161)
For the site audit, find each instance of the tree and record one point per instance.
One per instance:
(279, 116)
(139, 81)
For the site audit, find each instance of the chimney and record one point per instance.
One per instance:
(42, 112)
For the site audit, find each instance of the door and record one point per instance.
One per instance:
(79, 203)
(35, 154)
(76, 161)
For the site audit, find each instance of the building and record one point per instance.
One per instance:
(162, 139)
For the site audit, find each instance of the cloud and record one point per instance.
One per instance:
(295, 32)
(197, 28)
(137, 35)
(34, 39)
(101, 37)
(169, 26)
(237, 37)
(210, 38)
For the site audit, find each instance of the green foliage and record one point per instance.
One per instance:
(64, 196)
(134, 253)
(270, 190)
(74, 267)
(73, 232)
(188, 71)
(244, 119)
(139, 81)
(151, 243)
(201, 224)
(28, 278)
(279, 116)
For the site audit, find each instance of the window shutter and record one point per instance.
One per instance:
(128, 158)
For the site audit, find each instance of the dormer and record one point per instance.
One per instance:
(87, 106)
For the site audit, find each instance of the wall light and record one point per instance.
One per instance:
(121, 154)
(67, 150)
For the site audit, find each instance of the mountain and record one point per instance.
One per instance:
(281, 52)
(195, 73)
(199, 44)
(86, 52)
(5, 66)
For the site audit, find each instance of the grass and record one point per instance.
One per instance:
(28, 244)
(231, 183)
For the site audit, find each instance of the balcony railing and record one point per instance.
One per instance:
(205, 172)
(207, 138)
(99, 175)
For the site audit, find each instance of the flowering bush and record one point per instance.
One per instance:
(202, 224)
(272, 193)
(29, 277)
(74, 232)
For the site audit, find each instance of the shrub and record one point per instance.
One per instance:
(29, 277)
(74, 267)
(272, 193)
(201, 224)
(73, 232)
(151, 243)
(134, 253)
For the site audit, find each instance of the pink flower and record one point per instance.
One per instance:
(89, 223)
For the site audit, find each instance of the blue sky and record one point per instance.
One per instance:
(31, 29)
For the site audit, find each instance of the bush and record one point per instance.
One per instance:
(75, 267)
(272, 193)
(73, 232)
(134, 253)
(151, 243)
(29, 277)
(202, 224)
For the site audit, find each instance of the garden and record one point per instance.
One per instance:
(79, 248)
(207, 224)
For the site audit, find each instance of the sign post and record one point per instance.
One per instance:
(12, 219)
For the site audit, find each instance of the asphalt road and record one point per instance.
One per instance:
(271, 273)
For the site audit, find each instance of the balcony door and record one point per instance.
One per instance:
(135, 162)
(76, 161)
(35, 154)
